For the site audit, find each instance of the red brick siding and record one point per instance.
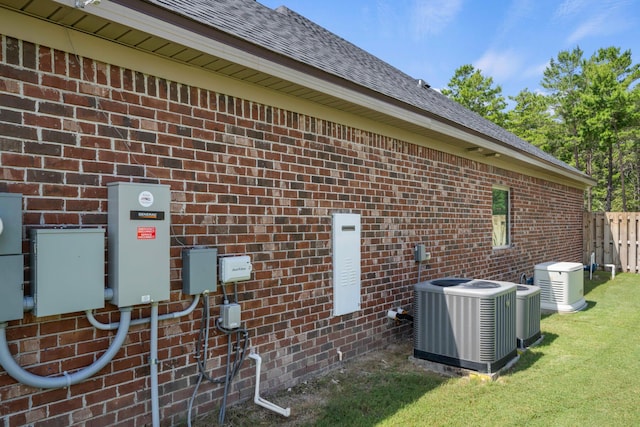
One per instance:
(248, 179)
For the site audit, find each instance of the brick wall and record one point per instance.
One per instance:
(248, 179)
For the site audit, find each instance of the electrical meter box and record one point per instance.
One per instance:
(67, 270)
(139, 241)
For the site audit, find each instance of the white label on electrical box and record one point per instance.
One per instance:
(145, 298)
(145, 198)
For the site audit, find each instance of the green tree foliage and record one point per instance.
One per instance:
(594, 102)
(609, 115)
(476, 92)
(531, 120)
(563, 78)
(589, 117)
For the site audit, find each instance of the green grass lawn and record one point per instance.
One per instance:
(586, 371)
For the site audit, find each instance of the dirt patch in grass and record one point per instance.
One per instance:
(309, 399)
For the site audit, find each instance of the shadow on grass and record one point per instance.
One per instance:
(599, 278)
(548, 339)
(385, 394)
(530, 357)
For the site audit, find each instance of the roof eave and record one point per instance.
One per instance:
(160, 22)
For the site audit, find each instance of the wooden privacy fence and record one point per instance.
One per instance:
(613, 237)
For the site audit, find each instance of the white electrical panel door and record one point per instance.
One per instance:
(346, 263)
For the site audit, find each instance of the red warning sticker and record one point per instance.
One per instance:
(146, 233)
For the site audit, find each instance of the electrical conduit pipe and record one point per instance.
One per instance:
(110, 326)
(25, 377)
(153, 356)
(256, 396)
(153, 363)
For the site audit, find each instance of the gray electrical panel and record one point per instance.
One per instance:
(11, 258)
(11, 220)
(11, 287)
(199, 267)
(139, 219)
(67, 270)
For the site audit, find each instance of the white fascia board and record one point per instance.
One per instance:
(131, 18)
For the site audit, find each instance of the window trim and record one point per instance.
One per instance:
(508, 243)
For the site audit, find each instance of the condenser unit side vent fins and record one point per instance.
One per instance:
(487, 330)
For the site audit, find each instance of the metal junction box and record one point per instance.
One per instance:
(11, 258)
(139, 241)
(67, 270)
(199, 267)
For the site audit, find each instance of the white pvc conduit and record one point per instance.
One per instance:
(285, 412)
(25, 377)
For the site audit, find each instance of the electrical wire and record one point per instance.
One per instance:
(201, 355)
(223, 408)
(239, 356)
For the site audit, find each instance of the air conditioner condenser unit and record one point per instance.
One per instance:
(465, 323)
(527, 315)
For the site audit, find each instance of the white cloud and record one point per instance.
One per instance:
(535, 70)
(517, 11)
(499, 65)
(570, 7)
(432, 16)
(594, 26)
(594, 17)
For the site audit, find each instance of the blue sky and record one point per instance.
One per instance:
(511, 41)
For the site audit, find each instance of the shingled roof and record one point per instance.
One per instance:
(286, 33)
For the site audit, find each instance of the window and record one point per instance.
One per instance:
(500, 217)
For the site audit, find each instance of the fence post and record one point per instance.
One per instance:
(623, 239)
(634, 250)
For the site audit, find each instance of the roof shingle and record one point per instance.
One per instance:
(287, 33)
